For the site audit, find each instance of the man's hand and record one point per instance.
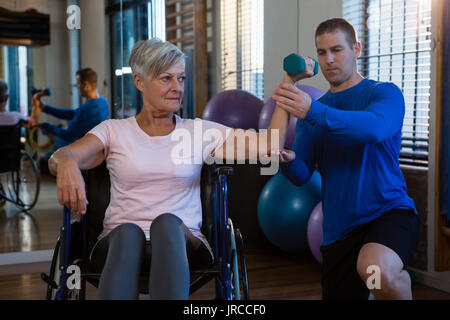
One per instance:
(37, 104)
(308, 73)
(292, 99)
(36, 100)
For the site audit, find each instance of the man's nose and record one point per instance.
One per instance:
(329, 58)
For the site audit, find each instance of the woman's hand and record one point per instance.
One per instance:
(286, 156)
(70, 186)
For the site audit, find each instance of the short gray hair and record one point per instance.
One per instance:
(152, 57)
(3, 90)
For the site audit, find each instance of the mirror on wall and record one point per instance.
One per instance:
(102, 39)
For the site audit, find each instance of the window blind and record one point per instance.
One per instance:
(242, 42)
(395, 36)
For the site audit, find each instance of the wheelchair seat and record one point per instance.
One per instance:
(20, 177)
(10, 148)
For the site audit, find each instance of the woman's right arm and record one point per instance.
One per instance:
(66, 163)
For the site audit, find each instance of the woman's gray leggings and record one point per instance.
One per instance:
(124, 253)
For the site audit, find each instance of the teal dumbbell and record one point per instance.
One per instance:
(47, 91)
(293, 64)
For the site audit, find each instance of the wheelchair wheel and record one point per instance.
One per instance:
(238, 277)
(55, 291)
(24, 185)
(2, 199)
(53, 278)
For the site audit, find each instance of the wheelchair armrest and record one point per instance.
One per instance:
(228, 171)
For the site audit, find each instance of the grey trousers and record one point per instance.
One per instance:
(124, 254)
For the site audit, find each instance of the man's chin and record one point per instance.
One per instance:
(335, 81)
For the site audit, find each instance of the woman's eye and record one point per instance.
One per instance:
(165, 79)
(182, 79)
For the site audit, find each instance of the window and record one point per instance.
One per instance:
(16, 72)
(130, 21)
(395, 36)
(242, 32)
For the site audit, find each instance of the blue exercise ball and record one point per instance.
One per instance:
(284, 210)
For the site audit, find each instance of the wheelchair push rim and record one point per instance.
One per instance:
(24, 185)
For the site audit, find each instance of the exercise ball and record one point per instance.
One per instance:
(269, 107)
(284, 209)
(314, 232)
(235, 109)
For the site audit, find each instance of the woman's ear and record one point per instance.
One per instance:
(138, 82)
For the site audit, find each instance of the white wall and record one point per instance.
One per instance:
(289, 26)
(311, 13)
(280, 39)
(54, 56)
(95, 43)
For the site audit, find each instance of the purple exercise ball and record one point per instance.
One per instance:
(314, 232)
(234, 108)
(269, 108)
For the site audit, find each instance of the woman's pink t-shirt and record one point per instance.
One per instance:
(155, 175)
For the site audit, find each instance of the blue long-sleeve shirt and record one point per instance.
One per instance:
(353, 137)
(82, 119)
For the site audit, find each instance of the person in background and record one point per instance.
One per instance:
(94, 111)
(10, 118)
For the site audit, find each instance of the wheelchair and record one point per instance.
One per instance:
(76, 240)
(19, 173)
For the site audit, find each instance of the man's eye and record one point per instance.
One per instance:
(182, 79)
(165, 79)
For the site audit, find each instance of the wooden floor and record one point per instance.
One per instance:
(37, 229)
(273, 275)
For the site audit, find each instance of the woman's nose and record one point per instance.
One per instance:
(176, 85)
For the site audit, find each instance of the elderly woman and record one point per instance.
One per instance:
(155, 207)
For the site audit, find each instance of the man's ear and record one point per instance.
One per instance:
(357, 47)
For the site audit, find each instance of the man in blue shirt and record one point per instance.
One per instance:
(92, 112)
(352, 135)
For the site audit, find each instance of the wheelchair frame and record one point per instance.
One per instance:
(14, 177)
(230, 275)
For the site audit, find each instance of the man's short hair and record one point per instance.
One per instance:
(88, 75)
(3, 90)
(334, 24)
